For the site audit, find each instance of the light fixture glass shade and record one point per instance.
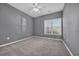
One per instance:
(36, 10)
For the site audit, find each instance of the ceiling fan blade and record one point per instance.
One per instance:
(35, 4)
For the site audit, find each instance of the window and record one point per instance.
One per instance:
(52, 27)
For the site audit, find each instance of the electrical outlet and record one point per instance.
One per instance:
(8, 38)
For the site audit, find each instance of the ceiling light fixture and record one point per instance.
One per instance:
(36, 8)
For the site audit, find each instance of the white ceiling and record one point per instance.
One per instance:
(46, 8)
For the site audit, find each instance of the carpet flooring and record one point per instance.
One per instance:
(35, 46)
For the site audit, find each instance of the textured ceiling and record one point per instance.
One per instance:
(45, 8)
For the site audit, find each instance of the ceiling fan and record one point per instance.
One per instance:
(36, 7)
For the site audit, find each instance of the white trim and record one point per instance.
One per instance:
(50, 38)
(55, 39)
(38, 36)
(15, 41)
(64, 45)
(68, 48)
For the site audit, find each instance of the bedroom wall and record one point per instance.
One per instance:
(39, 24)
(10, 26)
(71, 27)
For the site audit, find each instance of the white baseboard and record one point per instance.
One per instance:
(68, 48)
(15, 41)
(65, 46)
(38, 36)
(48, 38)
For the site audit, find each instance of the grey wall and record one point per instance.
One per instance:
(10, 24)
(39, 24)
(71, 27)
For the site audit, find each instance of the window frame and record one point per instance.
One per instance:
(53, 34)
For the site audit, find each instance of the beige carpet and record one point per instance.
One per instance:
(35, 46)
